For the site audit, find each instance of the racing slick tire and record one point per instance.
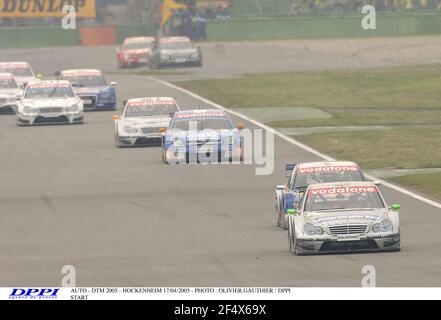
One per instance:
(164, 158)
(292, 240)
(199, 64)
(153, 64)
(121, 65)
(117, 141)
(279, 219)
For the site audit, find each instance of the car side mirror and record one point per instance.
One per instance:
(124, 102)
(18, 98)
(292, 212)
(171, 114)
(377, 183)
(240, 126)
(281, 187)
(116, 117)
(113, 84)
(57, 73)
(162, 130)
(395, 207)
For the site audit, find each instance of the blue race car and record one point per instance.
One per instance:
(201, 136)
(300, 176)
(91, 86)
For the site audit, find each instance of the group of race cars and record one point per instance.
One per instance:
(36, 101)
(326, 207)
(158, 53)
(331, 207)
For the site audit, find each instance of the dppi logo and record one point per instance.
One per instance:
(34, 294)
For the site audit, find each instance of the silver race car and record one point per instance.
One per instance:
(343, 217)
(9, 92)
(49, 102)
(301, 175)
(142, 120)
(175, 51)
(22, 71)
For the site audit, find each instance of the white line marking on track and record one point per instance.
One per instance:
(290, 140)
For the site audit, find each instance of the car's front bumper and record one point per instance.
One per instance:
(215, 156)
(8, 108)
(39, 119)
(365, 244)
(135, 60)
(94, 102)
(139, 141)
(179, 61)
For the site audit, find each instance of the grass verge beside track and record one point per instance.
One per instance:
(399, 96)
(424, 183)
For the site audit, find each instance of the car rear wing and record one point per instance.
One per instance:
(289, 168)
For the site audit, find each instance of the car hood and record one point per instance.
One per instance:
(147, 121)
(179, 51)
(8, 93)
(137, 52)
(343, 217)
(53, 102)
(89, 90)
(202, 135)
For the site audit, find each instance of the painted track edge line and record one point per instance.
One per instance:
(291, 140)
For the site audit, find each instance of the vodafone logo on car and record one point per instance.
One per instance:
(328, 169)
(323, 191)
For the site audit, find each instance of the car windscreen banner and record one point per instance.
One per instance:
(46, 8)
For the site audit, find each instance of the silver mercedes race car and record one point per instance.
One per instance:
(343, 218)
(301, 175)
(175, 51)
(142, 120)
(9, 92)
(49, 102)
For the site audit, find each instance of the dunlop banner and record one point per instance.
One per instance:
(45, 8)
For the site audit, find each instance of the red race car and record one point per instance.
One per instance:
(134, 50)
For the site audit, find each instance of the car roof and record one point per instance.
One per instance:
(327, 164)
(18, 64)
(48, 83)
(201, 111)
(365, 184)
(174, 39)
(151, 99)
(80, 71)
(139, 39)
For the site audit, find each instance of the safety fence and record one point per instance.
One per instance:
(328, 26)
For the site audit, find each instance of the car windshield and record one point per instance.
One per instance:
(151, 110)
(86, 81)
(18, 72)
(202, 124)
(8, 83)
(324, 199)
(176, 45)
(139, 45)
(49, 92)
(306, 177)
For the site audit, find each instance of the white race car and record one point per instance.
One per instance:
(142, 119)
(22, 71)
(49, 102)
(9, 92)
(343, 217)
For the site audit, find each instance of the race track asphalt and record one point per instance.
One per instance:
(122, 218)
